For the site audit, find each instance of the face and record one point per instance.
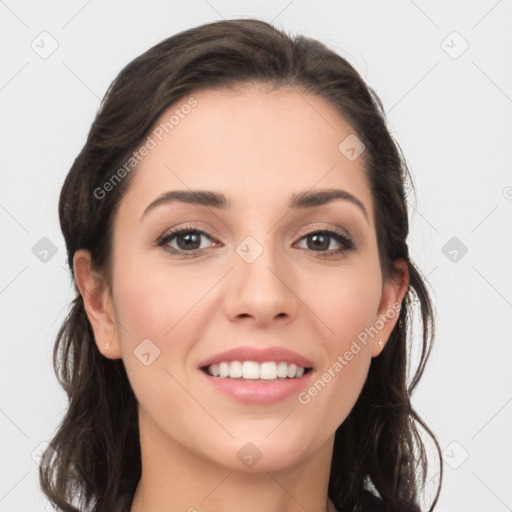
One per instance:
(263, 277)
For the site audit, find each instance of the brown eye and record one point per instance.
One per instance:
(188, 240)
(185, 240)
(320, 241)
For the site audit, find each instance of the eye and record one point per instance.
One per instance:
(187, 239)
(321, 241)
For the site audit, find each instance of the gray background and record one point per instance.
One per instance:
(450, 108)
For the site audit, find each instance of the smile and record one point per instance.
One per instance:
(257, 376)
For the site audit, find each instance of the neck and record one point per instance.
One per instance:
(175, 479)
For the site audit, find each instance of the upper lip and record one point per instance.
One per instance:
(259, 355)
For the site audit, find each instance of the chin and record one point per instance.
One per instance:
(258, 453)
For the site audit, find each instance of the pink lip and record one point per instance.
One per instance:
(258, 355)
(257, 391)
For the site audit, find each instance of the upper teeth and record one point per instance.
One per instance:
(252, 370)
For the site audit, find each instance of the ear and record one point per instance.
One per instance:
(393, 292)
(98, 304)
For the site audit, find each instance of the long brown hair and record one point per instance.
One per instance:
(97, 460)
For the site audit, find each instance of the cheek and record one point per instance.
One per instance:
(152, 300)
(345, 300)
(332, 395)
(346, 304)
(161, 317)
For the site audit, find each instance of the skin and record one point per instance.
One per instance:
(257, 148)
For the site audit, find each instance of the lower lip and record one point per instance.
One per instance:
(259, 391)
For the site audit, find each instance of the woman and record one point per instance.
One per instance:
(236, 226)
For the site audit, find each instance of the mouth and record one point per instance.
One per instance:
(258, 376)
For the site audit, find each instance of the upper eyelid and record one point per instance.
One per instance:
(336, 230)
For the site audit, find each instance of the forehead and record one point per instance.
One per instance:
(254, 145)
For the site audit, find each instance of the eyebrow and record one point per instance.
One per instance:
(308, 199)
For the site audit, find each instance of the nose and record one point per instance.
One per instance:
(262, 291)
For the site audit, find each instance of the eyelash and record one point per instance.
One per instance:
(347, 244)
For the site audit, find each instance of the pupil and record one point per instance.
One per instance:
(324, 245)
(189, 237)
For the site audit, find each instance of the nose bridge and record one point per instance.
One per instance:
(258, 283)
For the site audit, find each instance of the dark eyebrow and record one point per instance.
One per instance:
(308, 199)
(313, 198)
(200, 197)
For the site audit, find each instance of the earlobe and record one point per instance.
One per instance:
(393, 292)
(97, 299)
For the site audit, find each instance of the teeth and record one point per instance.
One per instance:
(269, 370)
(282, 370)
(235, 370)
(223, 370)
(250, 370)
